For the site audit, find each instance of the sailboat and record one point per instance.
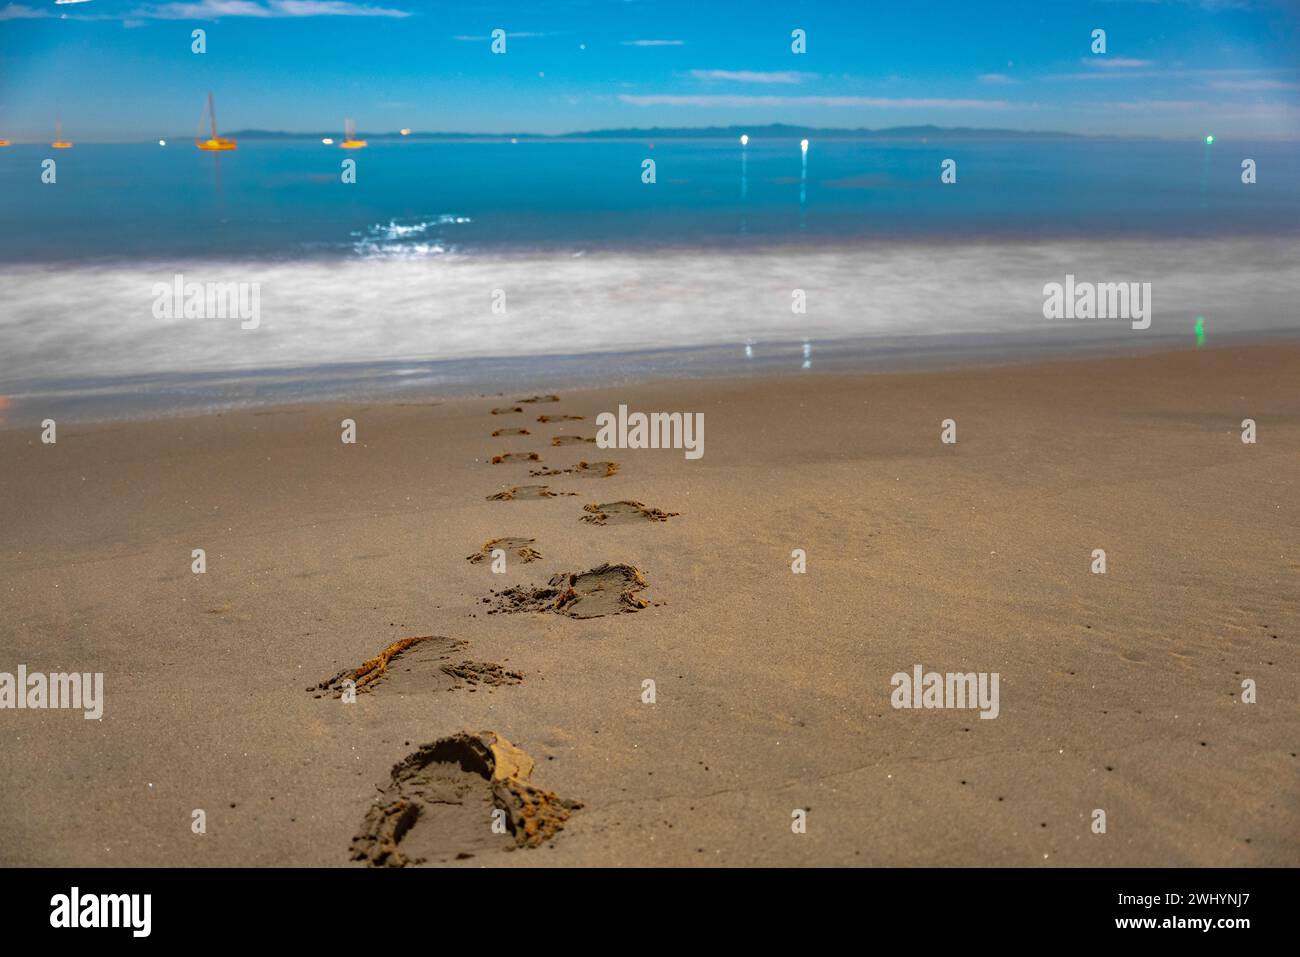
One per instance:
(59, 142)
(350, 141)
(5, 143)
(214, 142)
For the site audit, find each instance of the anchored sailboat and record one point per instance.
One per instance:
(214, 142)
(59, 142)
(350, 141)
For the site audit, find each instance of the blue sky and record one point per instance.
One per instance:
(123, 69)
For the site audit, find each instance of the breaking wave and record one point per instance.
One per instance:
(405, 240)
(61, 324)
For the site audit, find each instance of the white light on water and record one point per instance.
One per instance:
(803, 145)
(162, 142)
(744, 139)
(327, 141)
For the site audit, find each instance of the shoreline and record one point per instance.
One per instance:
(303, 331)
(923, 239)
(144, 398)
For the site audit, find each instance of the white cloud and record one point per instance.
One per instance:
(998, 79)
(1252, 86)
(212, 9)
(752, 76)
(1114, 62)
(732, 101)
(17, 11)
(333, 8)
(1159, 105)
(652, 43)
(510, 35)
(1222, 73)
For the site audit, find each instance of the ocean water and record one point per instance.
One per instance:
(389, 283)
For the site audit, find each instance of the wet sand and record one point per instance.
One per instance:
(1119, 691)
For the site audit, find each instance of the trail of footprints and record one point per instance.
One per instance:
(469, 794)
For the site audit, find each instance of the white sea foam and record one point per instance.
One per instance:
(67, 323)
(394, 240)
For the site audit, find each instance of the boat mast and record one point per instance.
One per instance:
(212, 112)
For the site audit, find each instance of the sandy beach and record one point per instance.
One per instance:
(1120, 691)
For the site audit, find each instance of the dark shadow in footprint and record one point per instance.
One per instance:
(419, 666)
(520, 547)
(441, 801)
(622, 513)
(516, 457)
(540, 398)
(526, 491)
(583, 469)
(569, 440)
(506, 410)
(605, 590)
(502, 432)
(558, 418)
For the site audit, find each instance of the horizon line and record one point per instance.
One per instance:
(760, 131)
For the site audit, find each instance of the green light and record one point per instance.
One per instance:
(1209, 140)
(1200, 330)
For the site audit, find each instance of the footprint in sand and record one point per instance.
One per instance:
(540, 398)
(520, 547)
(583, 469)
(621, 513)
(418, 665)
(570, 440)
(558, 418)
(526, 491)
(503, 432)
(474, 673)
(506, 410)
(441, 800)
(516, 457)
(605, 590)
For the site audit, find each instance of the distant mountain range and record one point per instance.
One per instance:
(770, 131)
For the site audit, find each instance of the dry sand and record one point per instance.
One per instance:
(1119, 691)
